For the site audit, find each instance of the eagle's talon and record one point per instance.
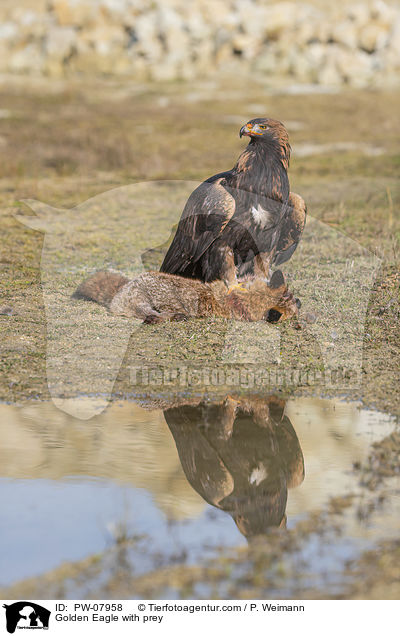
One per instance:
(240, 286)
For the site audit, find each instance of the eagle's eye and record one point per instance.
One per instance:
(262, 126)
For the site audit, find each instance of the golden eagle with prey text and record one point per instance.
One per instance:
(241, 222)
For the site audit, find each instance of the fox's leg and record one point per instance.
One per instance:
(132, 303)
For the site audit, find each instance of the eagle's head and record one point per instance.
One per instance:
(264, 128)
(270, 135)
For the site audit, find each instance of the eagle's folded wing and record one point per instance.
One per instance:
(207, 211)
(291, 230)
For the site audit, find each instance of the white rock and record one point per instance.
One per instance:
(279, 17)
(218, 12)
(266, 61)
(60, 42)
(168, 20)
(358, 13)
(197, 26)
(373, 37)
(329, 73)
(316, 54)
(27, 60)
(383, 12)
(105, 39)
(394, 36)
(203, 55)
(148, 42)
(302, 67)
(253, 19)
(78, 13)
(244, 45)
(345, 33)
(8, 31)
(356, 67)
(307, 32)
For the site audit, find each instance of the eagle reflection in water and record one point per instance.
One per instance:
(241, 456)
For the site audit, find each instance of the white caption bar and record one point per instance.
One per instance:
(192, 617)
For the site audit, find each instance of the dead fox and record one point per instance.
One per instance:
(155, 297)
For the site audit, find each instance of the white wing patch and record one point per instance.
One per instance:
(258, 475)
(261, 217)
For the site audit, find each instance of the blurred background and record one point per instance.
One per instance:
(353, 43)
(321, 42)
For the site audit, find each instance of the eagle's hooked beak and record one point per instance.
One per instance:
(245, 130)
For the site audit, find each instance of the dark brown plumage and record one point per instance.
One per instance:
(242, 221)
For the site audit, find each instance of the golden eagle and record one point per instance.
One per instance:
(243, 221)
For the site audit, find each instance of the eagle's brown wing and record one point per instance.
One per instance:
(292, 229)
(207, 211)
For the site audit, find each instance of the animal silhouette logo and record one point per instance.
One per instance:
(26, 615)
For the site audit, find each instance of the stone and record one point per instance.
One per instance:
(356, 67)
(8, 31)
(244, 45)
(77, 13)
(218, 12)
(252, 20)
(203, 55)
(383, 12)
(307, 32)
(60, 42)
(316, 55)
(198, 29)
(105, 39)
(329, 74)
(358, 13)
(119, 11)
(266, 61)
(168, 21)
(373, 37)
(278, 18)
(394, 38)
(345, 33)
(28, 59)
(147, 41)
(303, 67)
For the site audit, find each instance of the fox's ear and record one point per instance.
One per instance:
(45, 214)
(277, 280)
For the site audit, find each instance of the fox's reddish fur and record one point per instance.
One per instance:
(156, 296)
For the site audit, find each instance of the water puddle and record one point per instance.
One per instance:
(183, 481)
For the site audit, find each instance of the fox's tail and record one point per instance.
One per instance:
(101, 287)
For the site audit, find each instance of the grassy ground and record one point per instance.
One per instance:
(64, 143)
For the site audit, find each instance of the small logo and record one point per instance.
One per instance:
(26, 615)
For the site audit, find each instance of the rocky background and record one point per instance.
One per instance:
(328, 44)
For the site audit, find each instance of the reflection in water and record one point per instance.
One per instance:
(241, 456)
(66, 484)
